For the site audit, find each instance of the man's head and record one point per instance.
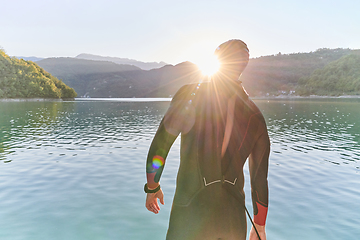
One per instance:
(233, 56)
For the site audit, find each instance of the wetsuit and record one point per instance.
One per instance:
(209, 199)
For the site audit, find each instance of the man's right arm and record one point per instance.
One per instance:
(258, 167)
(261, 230)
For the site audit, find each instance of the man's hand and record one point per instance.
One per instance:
(261, 231)
(151, 201)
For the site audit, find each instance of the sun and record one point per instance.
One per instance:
(209, 65)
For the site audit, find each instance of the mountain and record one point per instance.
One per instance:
(142, 65)
(34, 59)
(162, 82)
(25, 79)
(73, 66)
(106, 79)
(280, 74)
(77, 72)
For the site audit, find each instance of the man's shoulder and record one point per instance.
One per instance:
(186, 90)
(254, 109)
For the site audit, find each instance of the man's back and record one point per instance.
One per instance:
(220, 129)
(205, 177)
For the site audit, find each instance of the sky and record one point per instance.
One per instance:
(175, 31)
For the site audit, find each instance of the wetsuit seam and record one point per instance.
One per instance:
(219, 181)
(247, 128)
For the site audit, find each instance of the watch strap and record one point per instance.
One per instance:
(147, 190)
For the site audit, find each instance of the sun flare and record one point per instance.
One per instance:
(209, 66)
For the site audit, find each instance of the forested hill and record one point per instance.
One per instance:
(280, 74)
(337, 78)
(25, 79)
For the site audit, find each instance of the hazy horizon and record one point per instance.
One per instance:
(119, 57)
(175, 32)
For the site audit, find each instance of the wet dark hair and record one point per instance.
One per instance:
(229, 48)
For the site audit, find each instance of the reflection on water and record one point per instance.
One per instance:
(75, 170)
(73, 126)
(325, 125)
(22, 124)
(314, 173)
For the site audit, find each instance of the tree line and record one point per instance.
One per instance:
(25, 79)
(283, 74)
(341, 77)
(322, 72)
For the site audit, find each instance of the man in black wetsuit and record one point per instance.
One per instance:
(220, 129)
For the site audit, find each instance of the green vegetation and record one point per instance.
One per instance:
(25, 79)
(322, 72)
(280, 74)
(341, 77)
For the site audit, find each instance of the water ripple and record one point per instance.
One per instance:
(76, 170)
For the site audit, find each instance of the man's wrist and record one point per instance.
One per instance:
(151, 190)
(259, 227)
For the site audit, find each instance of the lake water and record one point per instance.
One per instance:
(76, 170)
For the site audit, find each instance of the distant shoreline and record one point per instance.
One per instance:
(126, 99)
(85, 99)
(34, 99)
(165, 99)
(305, 97)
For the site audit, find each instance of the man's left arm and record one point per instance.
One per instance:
(174, 122)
